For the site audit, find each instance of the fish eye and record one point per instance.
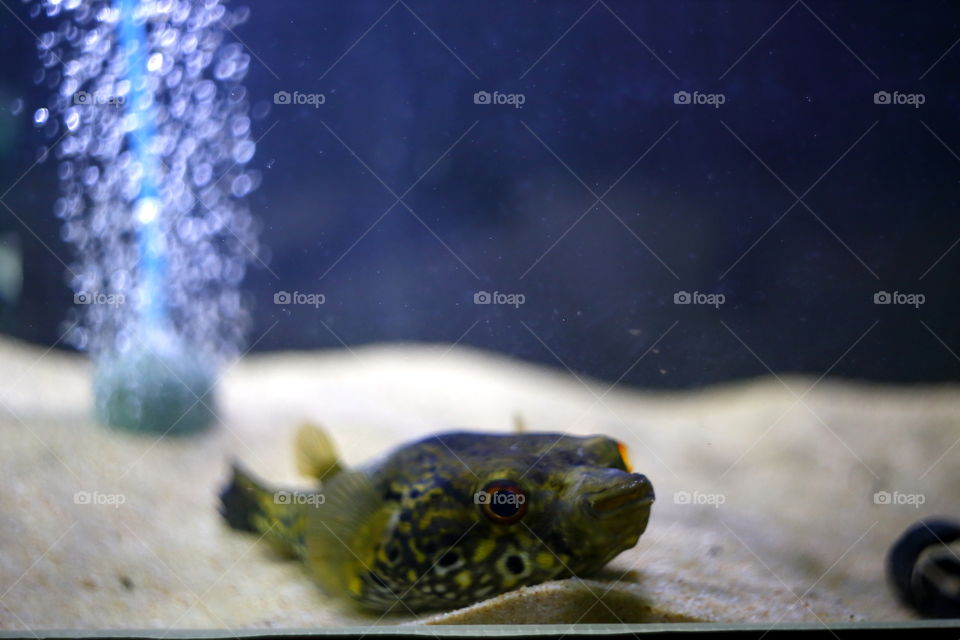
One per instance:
(502, 501)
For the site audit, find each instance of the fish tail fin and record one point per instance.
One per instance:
(316, 456)
(248, 505)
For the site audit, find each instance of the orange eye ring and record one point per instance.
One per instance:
(502, 501)
(622, 448)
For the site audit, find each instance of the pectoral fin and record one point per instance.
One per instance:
(345, 531)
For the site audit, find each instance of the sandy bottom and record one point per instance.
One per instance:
(765, 490)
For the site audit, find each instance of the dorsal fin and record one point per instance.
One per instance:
(519, 424)
(315, 454)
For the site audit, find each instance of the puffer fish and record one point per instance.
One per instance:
(452, 518)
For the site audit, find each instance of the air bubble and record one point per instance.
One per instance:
(90, 175)
(240, 126)
(225, 69)
(243, 151)
(205, 91)
(202, 174)
(155, 62)
(72, 119)
(241, 186)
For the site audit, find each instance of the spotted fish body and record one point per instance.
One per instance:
(455, 517)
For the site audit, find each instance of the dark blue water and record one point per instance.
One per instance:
(785, 204)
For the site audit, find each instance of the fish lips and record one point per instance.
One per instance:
(633, 493)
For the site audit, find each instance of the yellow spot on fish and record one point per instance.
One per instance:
(544, 560)
(412, 575)
(430, 516)
(463, 579)
(484, 549)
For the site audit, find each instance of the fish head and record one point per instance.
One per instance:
(573, 503)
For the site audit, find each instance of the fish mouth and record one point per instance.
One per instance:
(634, 493)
